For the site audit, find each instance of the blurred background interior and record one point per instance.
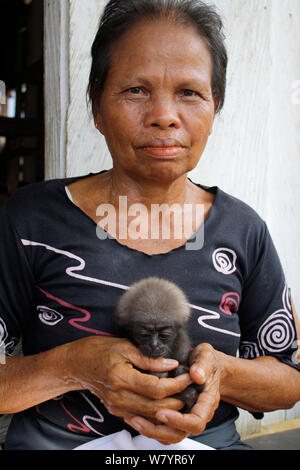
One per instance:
(22, 107)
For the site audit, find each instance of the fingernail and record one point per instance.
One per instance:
(200, 372)
(162, 418)
(135, 424)
(170, 362)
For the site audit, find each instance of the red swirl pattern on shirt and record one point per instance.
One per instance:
(74, 321)
(230, 303)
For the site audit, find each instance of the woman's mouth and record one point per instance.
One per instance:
(163, 148)
(164, 151)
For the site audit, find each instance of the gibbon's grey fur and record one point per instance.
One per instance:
(153, 314)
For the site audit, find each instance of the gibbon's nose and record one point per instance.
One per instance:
(154, 341)
(149, 351)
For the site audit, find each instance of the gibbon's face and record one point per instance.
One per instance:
(153, 339)
(157, 107)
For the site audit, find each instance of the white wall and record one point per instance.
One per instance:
(86, 148)
(254, 152)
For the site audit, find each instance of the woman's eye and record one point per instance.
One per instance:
(190, 93)
(135, 90)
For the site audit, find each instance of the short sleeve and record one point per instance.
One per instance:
(16, 285)
(266, 318)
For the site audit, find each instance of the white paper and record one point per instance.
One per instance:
(123, 441)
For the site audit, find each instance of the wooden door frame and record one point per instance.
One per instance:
(56, 85)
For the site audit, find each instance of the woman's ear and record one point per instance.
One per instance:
(98, 127)
(217, 103)
(96, 112)
(98, 122)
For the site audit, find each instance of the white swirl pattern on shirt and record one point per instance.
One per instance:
(224, 260)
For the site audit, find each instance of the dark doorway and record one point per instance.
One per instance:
(22, 114)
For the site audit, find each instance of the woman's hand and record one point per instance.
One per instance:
(105, 367)
(206, 369)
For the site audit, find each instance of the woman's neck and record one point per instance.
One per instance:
(149, 192)
(96, 195)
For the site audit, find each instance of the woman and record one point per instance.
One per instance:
(157, 81)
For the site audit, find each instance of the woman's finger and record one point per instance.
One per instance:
(124, 403)
(160, 432)
(194, 422)
(203, 363)
(151, 364)
(146, 384)
(201, 413)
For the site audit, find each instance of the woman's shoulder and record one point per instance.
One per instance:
(36, 193)
(235, 217)
(35, 205)
(237, 207)
(34, 196)
(227, 207)
(31, 196)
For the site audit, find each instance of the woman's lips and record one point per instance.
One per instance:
(167, 148)
(158, 152)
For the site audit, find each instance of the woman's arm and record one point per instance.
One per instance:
(28, 381)
(262, 384)
(102, 365)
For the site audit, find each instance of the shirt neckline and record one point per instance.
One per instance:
(63, 182)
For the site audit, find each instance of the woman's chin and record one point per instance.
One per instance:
(166, 172)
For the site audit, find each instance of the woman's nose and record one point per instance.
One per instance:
(162, 113)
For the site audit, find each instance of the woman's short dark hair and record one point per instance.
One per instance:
(120, 15)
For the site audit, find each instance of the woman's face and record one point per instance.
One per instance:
(157, 108)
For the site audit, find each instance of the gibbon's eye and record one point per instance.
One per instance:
(166, 334)
(144, 335)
